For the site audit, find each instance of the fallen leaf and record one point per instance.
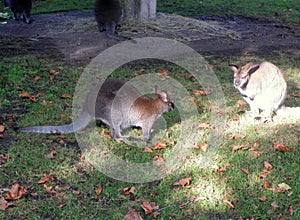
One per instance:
(37, 78)
(238, 137)
(295, 94)
(221, 169)
(264, 174)
(98, 191)
(2, 136)
(148, 207)
(266, 185)
(65, 96)
(201, 92)
(2, 128)
(274, 204)
(155, 214)
(4, 158)
(282, 148)
(133, 215)
(45, 179)
(24, 95)
(267, 165)
(241, 103)
(49, 189)
(16, 192)
(185, 182)
(163, 72)
(255, 154)
(62, 188)
(76, 192)
(203, 147)
(263, 198)
(204, 125)
(237, 147)
(158, 160)
(256, 144)
(4, 204)
(160, 145)
(51, 154)
(61, 205)
(230, 204)
(148, 150)
(128, 190)
(53, 72)
(291, 210)
(245, 170)
(105, 134)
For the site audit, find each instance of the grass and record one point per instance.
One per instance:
(212, 194)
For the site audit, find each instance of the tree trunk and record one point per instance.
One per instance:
(139, 9)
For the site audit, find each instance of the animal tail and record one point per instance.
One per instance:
(116, 36)
(81, 122)
(289, 112)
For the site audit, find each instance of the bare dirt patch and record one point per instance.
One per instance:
(73, 37)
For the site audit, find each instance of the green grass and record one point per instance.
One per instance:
(209, 190)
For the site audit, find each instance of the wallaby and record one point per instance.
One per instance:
(263, 87)
(20, 6)
(108, 14)
(119, 105)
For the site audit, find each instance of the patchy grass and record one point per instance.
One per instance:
(220, 191)
(233, 185)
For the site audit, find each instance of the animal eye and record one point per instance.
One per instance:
(244, 77)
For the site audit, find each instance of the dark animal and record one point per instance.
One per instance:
(108, 14)
(120, 106)
(20, 7)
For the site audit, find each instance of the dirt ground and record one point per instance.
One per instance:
(73, 37)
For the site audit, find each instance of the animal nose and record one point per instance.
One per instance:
(236, 82)
(172, 106)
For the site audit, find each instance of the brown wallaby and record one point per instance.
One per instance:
(262, 85)
(108, 14)
(120, 106)
(18, 7)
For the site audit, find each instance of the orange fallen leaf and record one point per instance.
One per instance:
(256, 144)
(238, 137)
(201, 92)
(221, 169)
(98, 191)
(185, 182)
(264, 173)
(230, 204)
(158, 160)
(49, 189)
(266, 185)
(133, 215)
(241, 103)
(2, 136)
(53, 72)
(274, 204)
(45, 179)
(203, 147)
(160, 145)
(282, 148)
(148, 207)
(4, 204)
(255, 154)
(291, 210)
(105, 134)
(162, 72)
(128, 190)
(267, 165)
(4, 158)
(2, 128)
(16, 192)
(263, 198)
(65, 96)
(237, 147)
(245, 170)
(51, 154)
(204, 125)
(24, 95)
(148, 150)
(37, 78)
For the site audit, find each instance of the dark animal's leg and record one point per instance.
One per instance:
(110, 32)
(26, 16)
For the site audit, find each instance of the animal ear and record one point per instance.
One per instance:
(234, 68)
(163, 96)
(253, 69)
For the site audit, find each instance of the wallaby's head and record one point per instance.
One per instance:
(243, 74)
(163, 100)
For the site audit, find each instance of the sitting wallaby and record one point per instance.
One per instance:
(20, 6)
(108, 14)
(120, 106)
(262, 86)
